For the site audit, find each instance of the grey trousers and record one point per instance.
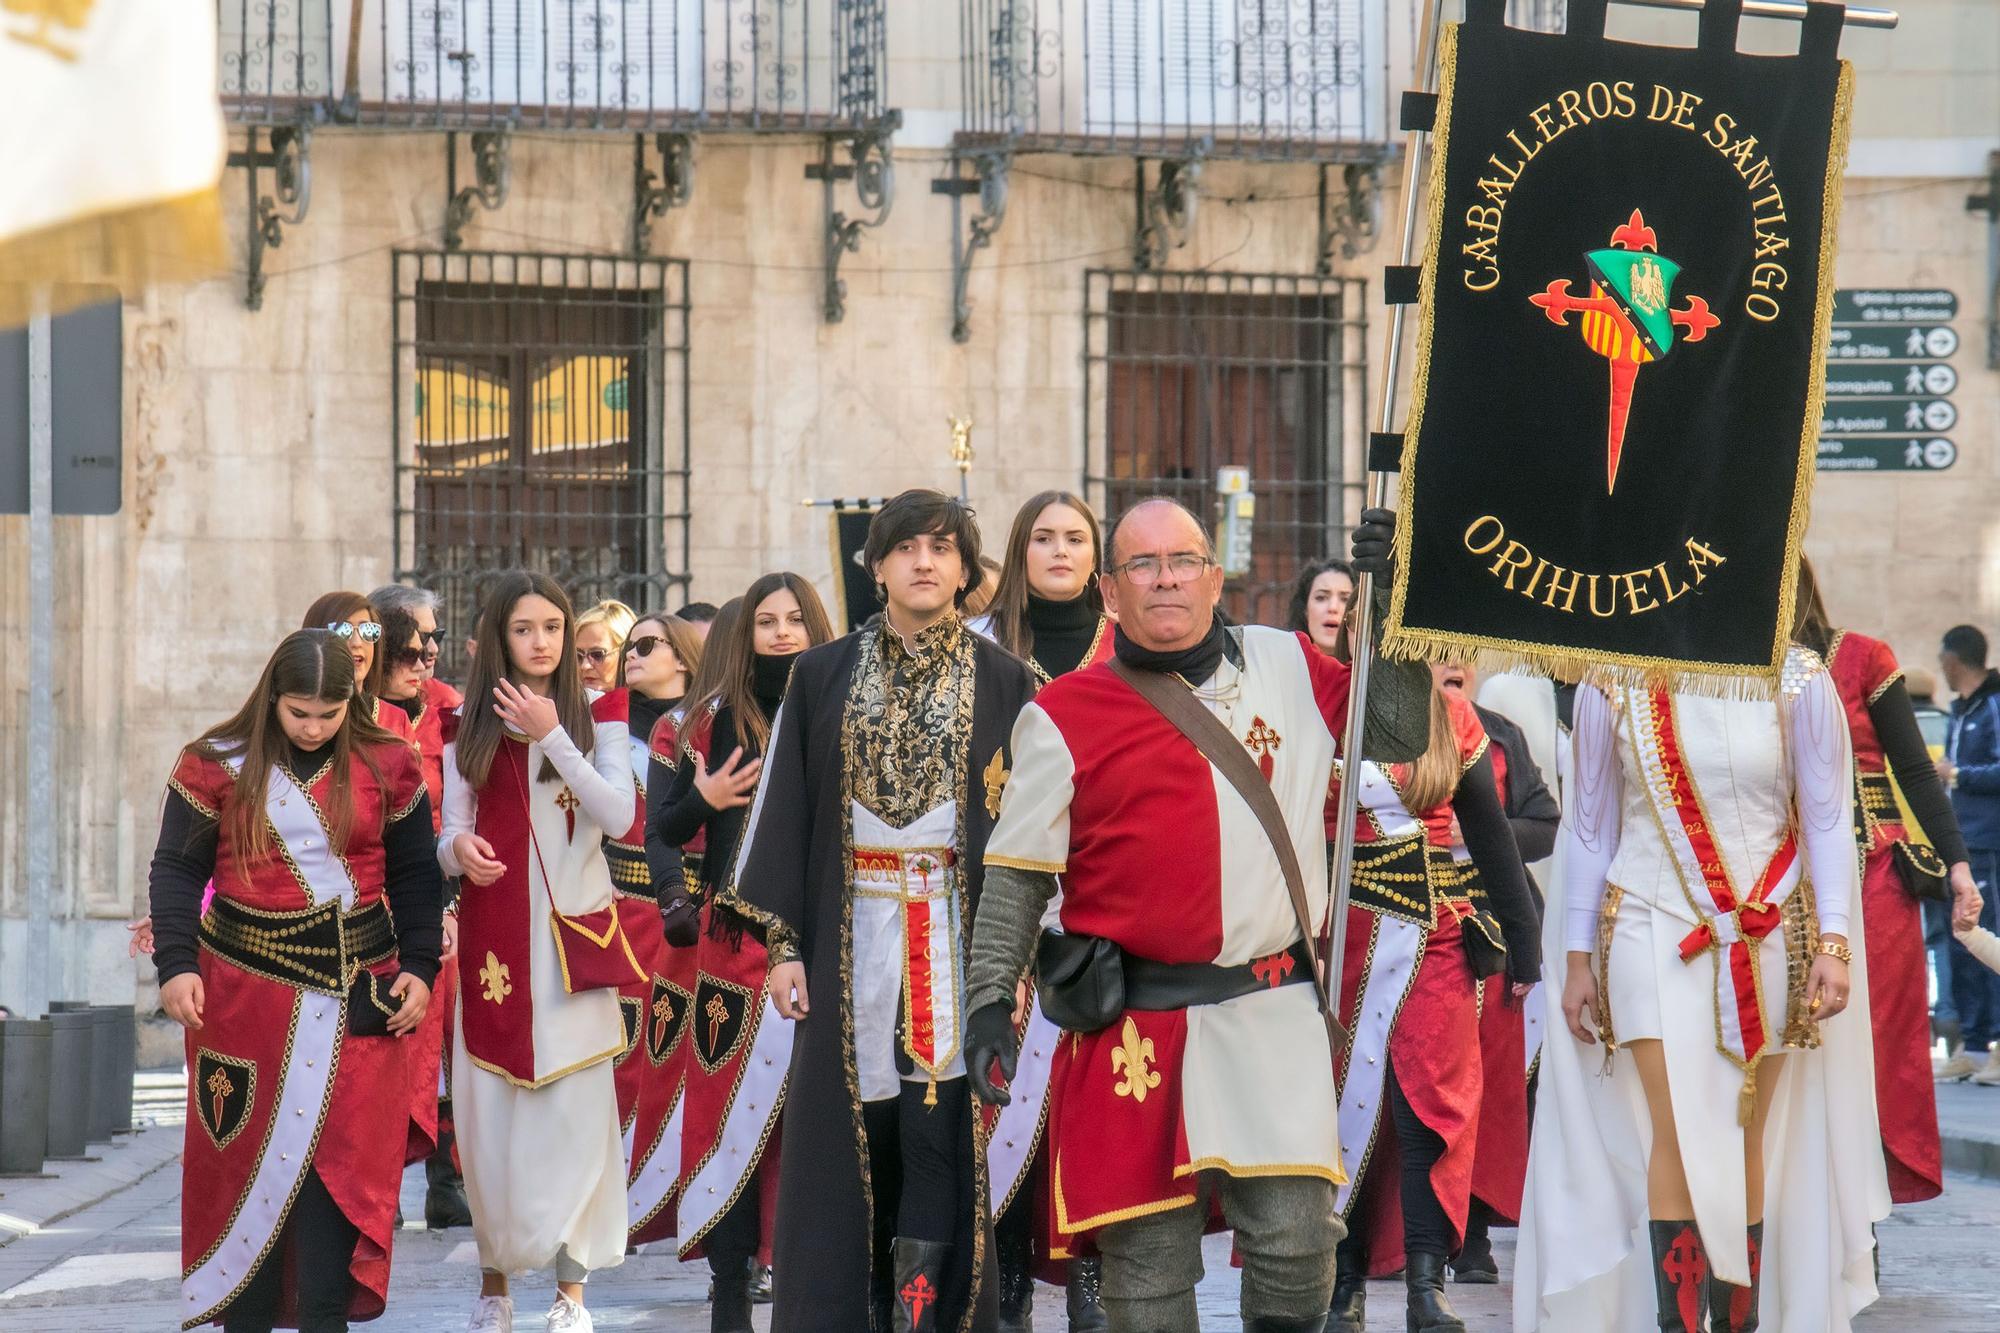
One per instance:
(1286, 1233)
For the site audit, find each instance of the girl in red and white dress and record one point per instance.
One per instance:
(1885, 735)
(658, 659)
(296, 987)
(1439, 900)
(537, 779)
(740, 1055)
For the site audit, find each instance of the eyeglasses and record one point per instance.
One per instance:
(644, 645)
(592, 656)
(410, 657)
(431, 637)
(1145, 570)
(368, 630)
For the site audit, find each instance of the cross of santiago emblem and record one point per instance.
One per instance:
(1626, 318)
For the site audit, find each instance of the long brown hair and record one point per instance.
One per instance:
(479, 727)
(729, 661)
(681, 637)
(334, 608)
(1433, 778)
(1811, 625)
(311, 664)
(1008, 611)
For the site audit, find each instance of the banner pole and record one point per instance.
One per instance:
(1857, 16)
(1361, 613)
(41, 830)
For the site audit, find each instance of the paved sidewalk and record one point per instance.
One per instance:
(1969, 1121)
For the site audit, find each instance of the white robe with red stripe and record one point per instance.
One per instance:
(1760, 773)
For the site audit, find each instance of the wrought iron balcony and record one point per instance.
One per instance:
(1266, 79)
(627, 65)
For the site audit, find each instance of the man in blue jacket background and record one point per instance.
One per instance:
(1971, 772)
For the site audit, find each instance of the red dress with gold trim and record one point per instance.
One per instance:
(436, 723)
(1500, 1166)
(650, 1068)
(1898, 997)
(1405, 954)
(275, 1081)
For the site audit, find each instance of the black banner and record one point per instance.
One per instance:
(853, 584)
(1621, 347)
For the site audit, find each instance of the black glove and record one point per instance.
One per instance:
(680, 917)
(989, 1040)
(1375, 542)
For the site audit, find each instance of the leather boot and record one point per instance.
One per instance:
(1680, 1276)
(445, 1204)
(1733, 1309)
(1423, 1279)
(918, 1268)
(1349, 1313)
(1274, 1324)
(1475, 1258)
(729, 1301)
(1084, 1294)
(1017, 1285)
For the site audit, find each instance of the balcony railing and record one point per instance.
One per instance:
(563, 64)
(1287, 79)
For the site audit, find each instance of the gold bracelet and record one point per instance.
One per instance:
(1835, 949)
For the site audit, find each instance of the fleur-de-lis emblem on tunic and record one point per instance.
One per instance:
(493, 982)
(995, 777)
(1134, 1057)
(1263, 742)
(219, 1089)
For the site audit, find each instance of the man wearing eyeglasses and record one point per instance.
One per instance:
(1211, 1078)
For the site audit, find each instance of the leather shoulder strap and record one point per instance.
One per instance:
(1178, 706)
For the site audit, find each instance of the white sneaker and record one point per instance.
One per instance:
(493, 1314)
(566, 1316)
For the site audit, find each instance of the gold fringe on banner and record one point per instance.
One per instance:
(1571, 663)
(159, 241)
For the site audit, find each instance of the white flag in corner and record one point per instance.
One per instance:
(112, 134)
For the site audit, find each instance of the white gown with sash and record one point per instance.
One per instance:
(545, 1164)
(1762, 775)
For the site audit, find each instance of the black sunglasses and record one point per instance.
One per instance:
(644, 645)
(431, 637)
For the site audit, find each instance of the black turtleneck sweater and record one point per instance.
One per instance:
(642, 713)
(1062, 633)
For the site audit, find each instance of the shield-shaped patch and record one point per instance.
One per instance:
(666, 1019)
(223, 1090)
(721, 1016)
(632, 1010)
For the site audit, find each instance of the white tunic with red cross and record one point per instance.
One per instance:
(1158, 853)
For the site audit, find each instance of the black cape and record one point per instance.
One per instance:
(793, 871)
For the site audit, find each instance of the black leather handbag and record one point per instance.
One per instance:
(1080, 980)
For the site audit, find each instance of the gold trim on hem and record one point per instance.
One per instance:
(1024, 863)
(1333, 1175)
(547, 1079)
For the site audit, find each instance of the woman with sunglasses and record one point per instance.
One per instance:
(349, 617)
(600, 643)
(297, 988)
(660, 655)
(410, 637)
(741, 1057)
(537, 779)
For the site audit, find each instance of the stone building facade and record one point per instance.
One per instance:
(334, 438)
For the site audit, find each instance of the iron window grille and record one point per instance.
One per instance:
(1185, 373)
(541, 410)
(1268, 79)
(633, 65)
